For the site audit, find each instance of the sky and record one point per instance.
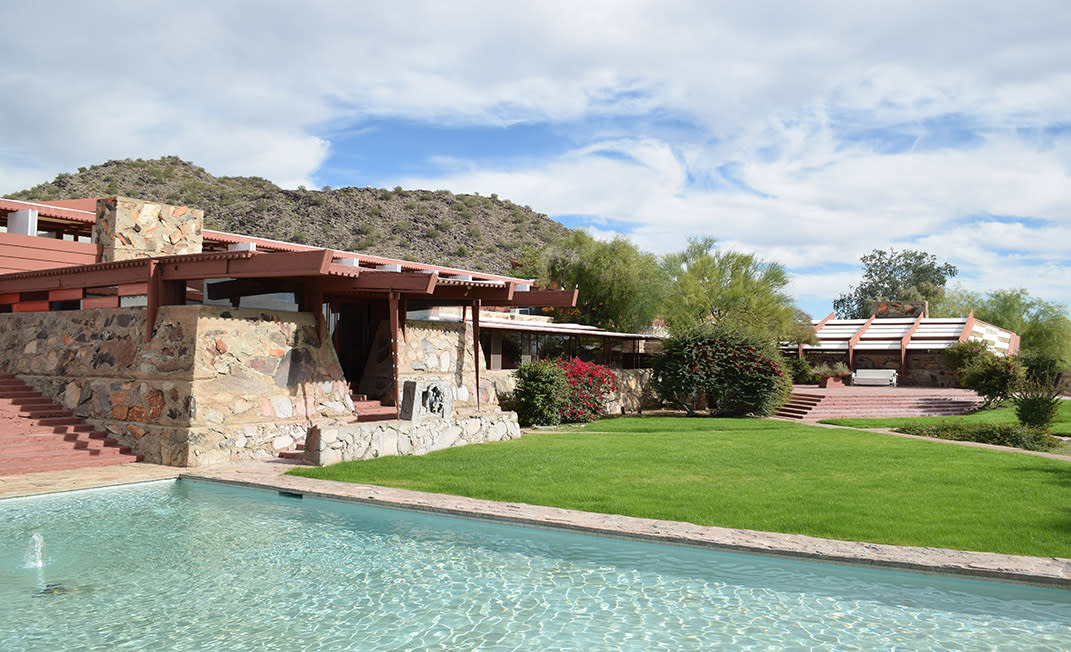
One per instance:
(806, 133)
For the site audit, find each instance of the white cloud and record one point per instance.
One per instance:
(787, 104)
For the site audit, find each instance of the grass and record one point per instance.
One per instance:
(1061, 426)
(763, 475)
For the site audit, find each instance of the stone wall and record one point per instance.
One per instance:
(928, 369)
(214, 384)
(634, 393)
(343, 443)
(431, 350)
(130, 228)
(899, 309)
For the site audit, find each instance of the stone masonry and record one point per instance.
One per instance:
(213, 385)
(431, 351)
(130, 228)
(333, 444)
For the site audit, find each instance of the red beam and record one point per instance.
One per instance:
(65, 295)
(555, 298)
(100, 302)
(30, 306)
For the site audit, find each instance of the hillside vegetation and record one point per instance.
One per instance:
(467, 231)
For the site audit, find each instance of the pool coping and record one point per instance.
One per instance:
(1052, 572)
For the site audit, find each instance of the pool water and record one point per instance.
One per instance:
(196, 566)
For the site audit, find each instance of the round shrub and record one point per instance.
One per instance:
(589, 386)
(994, 377)
(542, 393)
(734, 374)
(1037, 404)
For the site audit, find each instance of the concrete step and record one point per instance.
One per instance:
(38, 463)
(49, 411)
(38, 435)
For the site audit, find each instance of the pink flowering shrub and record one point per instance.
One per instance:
(590, 385)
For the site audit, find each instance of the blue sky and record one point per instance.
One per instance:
(806, 133)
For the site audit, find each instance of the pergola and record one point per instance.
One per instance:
(314, 276)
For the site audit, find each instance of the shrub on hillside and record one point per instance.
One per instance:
(541, 394)
(999, 434)
(733, 373)
(590, 384)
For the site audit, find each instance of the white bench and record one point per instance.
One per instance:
(874, 377)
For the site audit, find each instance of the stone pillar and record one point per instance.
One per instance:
(130, 228)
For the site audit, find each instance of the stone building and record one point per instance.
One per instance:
(195, 347)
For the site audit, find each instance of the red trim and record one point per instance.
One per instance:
(855, 340)
(968, 328)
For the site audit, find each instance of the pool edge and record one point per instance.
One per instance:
(1051, 572)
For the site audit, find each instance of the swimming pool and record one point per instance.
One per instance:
(195, 566)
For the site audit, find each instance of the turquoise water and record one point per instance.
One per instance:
(194, 566)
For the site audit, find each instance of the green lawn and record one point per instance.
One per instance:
(1062, 425)
(764, 475)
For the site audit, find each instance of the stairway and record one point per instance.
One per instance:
(367, 410)
(892, 402)
(38, 435)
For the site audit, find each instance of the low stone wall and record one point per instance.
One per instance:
(634, 393)
(214, 384)
(361, 441)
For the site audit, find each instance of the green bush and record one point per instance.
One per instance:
(801, 370)
(1040, 368)
(961, 354)
(993, 377)
(542, 393)
(732, 373)
(1037, 404)
(835, 369)
(1000, 434)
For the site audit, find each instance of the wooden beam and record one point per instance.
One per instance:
(70, 294)
(76, 277)
(412, 282)
(392, 308)
(476, 346)
(855, 340)
(251, 265)
(554, 298)
(470, 292)
(968, 328)
(904, 341)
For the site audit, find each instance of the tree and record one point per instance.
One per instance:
(733, 289)
(897, 276)
(1044, 328)
(621, 287)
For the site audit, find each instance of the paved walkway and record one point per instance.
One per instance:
(269, 475)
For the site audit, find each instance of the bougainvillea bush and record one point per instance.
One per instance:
(590, 385)
(733, 373)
